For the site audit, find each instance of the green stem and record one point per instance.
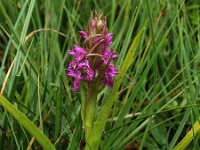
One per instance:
(91, 99)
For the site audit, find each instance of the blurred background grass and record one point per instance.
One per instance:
(160, 92)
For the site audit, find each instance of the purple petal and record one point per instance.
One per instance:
(74, 73)
(109, 37)
(108, 40)
(104, 24)
(108, 82)
(114, 55)
(90, 73)
(72, 65)
(107, 55)
(83, 34)
(76, 85)
(85, 65)
(97, 40)
(92, 25)
(78, 51)
(111, 71)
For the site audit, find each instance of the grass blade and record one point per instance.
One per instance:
(24, 121)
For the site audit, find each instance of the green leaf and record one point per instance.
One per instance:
(26, 123)
(188, 138)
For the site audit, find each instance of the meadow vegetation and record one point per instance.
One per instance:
(155, 98)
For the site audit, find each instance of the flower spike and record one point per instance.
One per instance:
(93, 62)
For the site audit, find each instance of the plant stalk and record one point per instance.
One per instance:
(91, 99)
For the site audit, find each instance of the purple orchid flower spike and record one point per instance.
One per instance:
(91, 67)
(93, 61)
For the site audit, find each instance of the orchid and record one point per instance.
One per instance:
(92, 66)
(93, 61)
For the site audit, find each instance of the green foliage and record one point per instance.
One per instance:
(152, 106)
(42, 139)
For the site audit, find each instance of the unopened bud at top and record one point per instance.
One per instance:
(97, 23)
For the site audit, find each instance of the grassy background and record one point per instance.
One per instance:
(160, 91)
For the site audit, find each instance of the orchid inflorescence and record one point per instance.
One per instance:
(92, 61)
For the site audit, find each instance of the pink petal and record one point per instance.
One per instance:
(76, 85)
(83, 34)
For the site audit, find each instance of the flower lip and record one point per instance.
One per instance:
(80, 70)
(107, 55)
(109, 74)
(77, 51)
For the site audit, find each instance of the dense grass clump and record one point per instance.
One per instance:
(156, 94)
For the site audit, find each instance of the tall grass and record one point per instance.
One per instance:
(157, 102)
